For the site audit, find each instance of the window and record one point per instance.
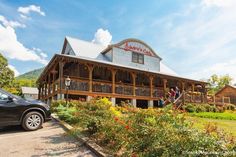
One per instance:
(3, 97)
(137, 58)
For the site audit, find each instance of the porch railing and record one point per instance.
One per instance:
(142, 91)
(102, 87)
(124, 89)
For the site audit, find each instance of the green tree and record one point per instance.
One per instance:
(217, 82)
(6, 74)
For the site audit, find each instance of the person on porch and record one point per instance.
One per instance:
(172, 95)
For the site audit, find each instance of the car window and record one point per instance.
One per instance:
(3, 96)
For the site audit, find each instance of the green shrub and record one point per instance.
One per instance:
(190, 108)
(200, 108)
(126, 131)
(230, 107)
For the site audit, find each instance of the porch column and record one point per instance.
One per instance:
(88, 98)
(90, 68)
(192, 96)
(61, 65)
(150, 103)
(134, 85)
(151, 85)
(53, 84)
(204, 94)
(39, 93)
(49, 83)
(113, 71)
(164, 87)
(133, 102)
(45, 90)
(183, 91)
(113, 101)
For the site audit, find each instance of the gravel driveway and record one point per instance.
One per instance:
(51, 140)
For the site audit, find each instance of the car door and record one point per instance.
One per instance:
(9, 110)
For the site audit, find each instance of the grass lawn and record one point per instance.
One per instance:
(227, 125)
(227, 115)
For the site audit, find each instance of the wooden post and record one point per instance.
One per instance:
(205, 94)
(53, 84)
(61, 75)
(192, 95)
(45, 89)
(39, 94)
(49, 83)
(183, 92)
(113, 71)
(90, 68)
(151, 85)
(134, 83)
(164, 87)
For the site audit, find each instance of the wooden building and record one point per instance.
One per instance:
(129, 70)
(226, 95)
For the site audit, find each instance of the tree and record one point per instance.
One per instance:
(217, 82)
(6, 74)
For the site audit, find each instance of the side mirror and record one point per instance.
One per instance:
(10, 99)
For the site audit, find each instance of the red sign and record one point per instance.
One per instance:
(137, 47)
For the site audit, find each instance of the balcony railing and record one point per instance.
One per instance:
(78, 84)
(124, 89)
(142, 91)
(158, 92)
(102, 87)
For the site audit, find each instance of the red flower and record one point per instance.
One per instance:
(127, 127)
(116, 119)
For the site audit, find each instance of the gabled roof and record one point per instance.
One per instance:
(92, 50)
(132, 40)
(29, 90)
(84, 48)
(224, 88)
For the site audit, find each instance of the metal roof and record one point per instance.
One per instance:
(91, 50)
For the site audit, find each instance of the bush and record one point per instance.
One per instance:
(230, 107)
(190, 108)
(126, 131)
(200, 108)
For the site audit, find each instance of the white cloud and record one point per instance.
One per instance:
(222, 68)
(202, 39)
(31, 8)
(16, 73)
(24, 17)
(13, 24)
(13, 49)
(102, 37)
(44, 55)
(218, 3)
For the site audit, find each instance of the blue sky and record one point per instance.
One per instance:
(196, 38)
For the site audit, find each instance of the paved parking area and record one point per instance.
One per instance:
(51, 140)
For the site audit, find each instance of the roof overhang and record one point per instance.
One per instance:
(62, 57)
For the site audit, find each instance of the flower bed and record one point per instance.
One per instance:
(127, 131)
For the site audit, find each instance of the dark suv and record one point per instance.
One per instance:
(30, 114)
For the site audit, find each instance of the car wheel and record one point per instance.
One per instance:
(32, 121)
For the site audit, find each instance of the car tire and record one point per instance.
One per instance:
(32, 121)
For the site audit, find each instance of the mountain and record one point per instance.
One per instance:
(31, 75)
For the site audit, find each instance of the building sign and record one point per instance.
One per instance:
(137, 47)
